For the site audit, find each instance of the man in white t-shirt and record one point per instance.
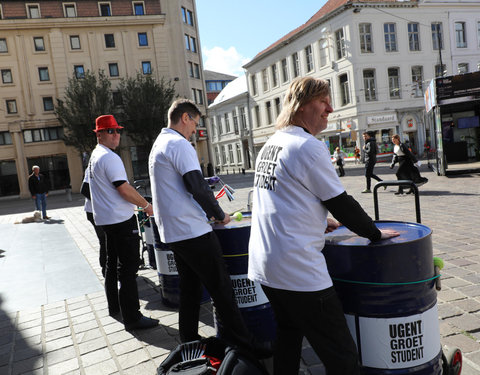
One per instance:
(113, 203)
(295, 186)
(183, 203)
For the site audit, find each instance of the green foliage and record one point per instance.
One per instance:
(145, 107)
(85, 99)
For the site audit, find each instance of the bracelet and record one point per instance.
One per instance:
(144, 208)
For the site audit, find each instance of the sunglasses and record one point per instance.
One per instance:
(112, 131)
(191, 118)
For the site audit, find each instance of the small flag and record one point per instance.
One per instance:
(220, 194)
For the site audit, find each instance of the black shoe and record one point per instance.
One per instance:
(46, 217)
(142, 323)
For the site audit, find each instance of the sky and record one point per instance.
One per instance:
(233, 32)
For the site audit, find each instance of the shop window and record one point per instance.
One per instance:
(7, 76)
(8, 178)
(39, 43)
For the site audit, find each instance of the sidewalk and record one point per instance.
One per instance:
(55, 320)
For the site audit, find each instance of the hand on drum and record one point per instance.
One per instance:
(331, 225)
(389, 233)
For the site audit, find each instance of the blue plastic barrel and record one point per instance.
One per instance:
(252, 301)
(387, 289)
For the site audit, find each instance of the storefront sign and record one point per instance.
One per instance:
(372, 120)
(409, 124)
(465, 86)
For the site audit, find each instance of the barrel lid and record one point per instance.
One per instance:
(408, 232)
(233, 224)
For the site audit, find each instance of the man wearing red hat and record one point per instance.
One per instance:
(113, 203)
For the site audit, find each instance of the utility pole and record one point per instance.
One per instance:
(439, 42)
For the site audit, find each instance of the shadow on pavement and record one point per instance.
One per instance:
(17, 355)
(54, 221)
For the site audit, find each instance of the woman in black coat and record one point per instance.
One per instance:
(406, 164)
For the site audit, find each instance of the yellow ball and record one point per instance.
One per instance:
(237, 216)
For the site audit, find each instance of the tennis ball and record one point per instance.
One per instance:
(237, 216)
(438, 262)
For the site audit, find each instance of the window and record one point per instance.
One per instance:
(227, 123)
(274, 75)
(190, 17)
(138, 9)
(268, 112)
(323, 52)
(417, 81)
(230, 154)
(394, 83)
(220, 125)
(142, 39)
(7, 76)
(39, 43)
(43, 74)
(187, 42)
(243, 118)
(184, 15)
(253, 79)
(478, 33)
(344, 89)
(3, 45)
(75, 42)
(193, 44)
(437, 35)
(190, 69)
(369, 85)
(462, 68)
(214, 131)
(239, 153)
(33, 11)
(69, 10)
(79, 71)
(196, 71)
(200, 98)
(105, 9)
(109, 41)
(309, 58)
(11, 106)
(284, 71)
(460, 36)
(390, 34)
(146, 67)
(224, 156)
(113, 69)
(43, 135)
(235, 121)
(413, 36)
(265, 80)
(256, 111)
(5, 138)
(217, 156)
(365, 30)
(278, 108)
(340, 43)
(48, 103)
(296, 65)
(440, 71)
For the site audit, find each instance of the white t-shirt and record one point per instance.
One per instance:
(178, 216)
(88, 203)
(293, 174)
(108, 206)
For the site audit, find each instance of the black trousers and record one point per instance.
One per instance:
(369, 174)
(318, 316)
(102, 242)
(123, 259)
(200, 261)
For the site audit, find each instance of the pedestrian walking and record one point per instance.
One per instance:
(339, 157)
(113, 203)
(285, 251)
(183, 203)
(370, 159)
(407, 169)
(38, 186)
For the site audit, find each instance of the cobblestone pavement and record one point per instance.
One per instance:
(75, 335)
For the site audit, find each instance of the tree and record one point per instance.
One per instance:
(86, 98)
(145, 106)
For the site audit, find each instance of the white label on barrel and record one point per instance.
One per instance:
(247, 292)
(149, 238)
(401, 342)
(165, 262)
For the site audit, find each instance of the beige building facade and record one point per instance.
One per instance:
(43, 43)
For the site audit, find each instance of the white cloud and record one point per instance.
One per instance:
(227, 61)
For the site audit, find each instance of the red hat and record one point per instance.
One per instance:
(106, 122)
